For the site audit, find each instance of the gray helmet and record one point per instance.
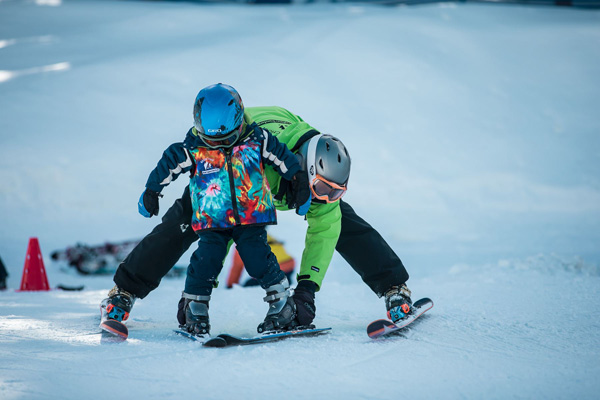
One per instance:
(327, 162)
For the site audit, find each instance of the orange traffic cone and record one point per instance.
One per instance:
(34, 272)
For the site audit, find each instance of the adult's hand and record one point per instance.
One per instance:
(304, 297)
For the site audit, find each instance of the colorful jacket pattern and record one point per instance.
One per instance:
(228, 186)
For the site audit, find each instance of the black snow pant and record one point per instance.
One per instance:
(359, 244)
(255, 252)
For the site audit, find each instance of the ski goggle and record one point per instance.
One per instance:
(223, 141)
(325, 190)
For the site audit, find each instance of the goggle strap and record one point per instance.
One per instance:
(310, 157)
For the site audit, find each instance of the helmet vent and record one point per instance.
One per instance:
(327, 145)
(321, 163)
(230, 102)
(339, 158)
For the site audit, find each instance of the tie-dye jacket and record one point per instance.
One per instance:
(228, 186)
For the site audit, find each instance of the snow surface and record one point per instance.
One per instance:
(475, 139)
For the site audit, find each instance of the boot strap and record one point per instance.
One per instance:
(402, 290)
(276, 296)
(117, 290)
(195, 297)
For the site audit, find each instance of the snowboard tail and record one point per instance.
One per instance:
(115, 327)
(112, 326)
(384, 327)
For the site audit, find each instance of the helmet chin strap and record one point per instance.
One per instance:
(310, 158)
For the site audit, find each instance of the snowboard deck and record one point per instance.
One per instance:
(384, 327)
(188, 335)
(227, 340)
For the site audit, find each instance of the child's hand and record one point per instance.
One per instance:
(148, 203)
(301, 193)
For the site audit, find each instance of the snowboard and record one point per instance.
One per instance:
(384, 327)
(227, 340)
(188, 335)
(112, 326)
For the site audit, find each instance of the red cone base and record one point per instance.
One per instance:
(34, 273)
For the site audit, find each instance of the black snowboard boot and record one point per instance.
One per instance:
(196, 314)
(398, 303)
(118, 305)
(282, 309)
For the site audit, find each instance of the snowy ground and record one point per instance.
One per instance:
(475, 139)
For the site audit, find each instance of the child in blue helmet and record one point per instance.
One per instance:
(231, 199)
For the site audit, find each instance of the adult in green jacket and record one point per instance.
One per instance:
(324, 219)
(332, 225)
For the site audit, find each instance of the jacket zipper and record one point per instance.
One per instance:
(236, 214)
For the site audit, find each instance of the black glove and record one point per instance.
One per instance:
(300, 191)
(304, 297)
(298, 195)
(296, 192)
(148, 204)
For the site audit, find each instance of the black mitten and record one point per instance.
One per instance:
(285, 189)
(150, 200)
(304, 297)
(300, 191)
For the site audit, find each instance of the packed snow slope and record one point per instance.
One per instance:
(475, 140)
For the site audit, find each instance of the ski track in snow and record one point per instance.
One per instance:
(471, 344)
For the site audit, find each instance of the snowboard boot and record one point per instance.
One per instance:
(398, 303)
(118, 305)
(282, 309)
(196, 314)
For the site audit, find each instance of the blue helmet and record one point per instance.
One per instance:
(218, 115)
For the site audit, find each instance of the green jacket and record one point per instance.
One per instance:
(324, 220)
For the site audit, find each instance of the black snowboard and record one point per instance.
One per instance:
(226, 340)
